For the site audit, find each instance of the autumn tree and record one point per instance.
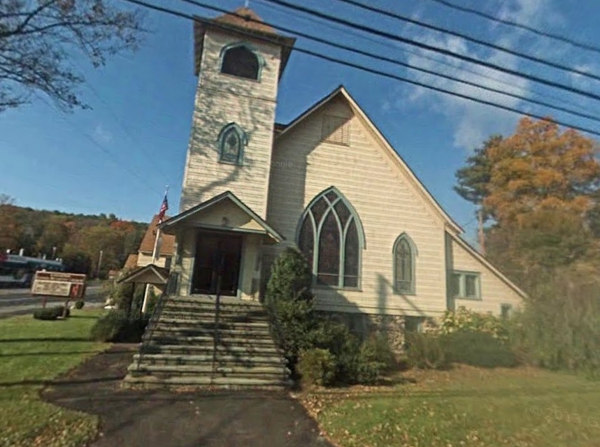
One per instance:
(541, 168)
(40, 38)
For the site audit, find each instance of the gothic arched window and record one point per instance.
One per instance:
(404, 265)
(241, 61)
(331, 237)
(232, 140)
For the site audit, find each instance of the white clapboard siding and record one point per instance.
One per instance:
(494, 290)
(220, 100)
(386, 201)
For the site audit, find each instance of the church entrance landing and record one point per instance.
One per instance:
(217, 263)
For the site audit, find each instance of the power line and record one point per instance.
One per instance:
(582, 45)
(420, 55)
(351, 64)
(470, 39)
(433, 48)
(420, 69)
(113, 158)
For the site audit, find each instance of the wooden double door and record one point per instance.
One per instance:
(217, 264)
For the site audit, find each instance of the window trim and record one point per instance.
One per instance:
(221, 143)
(413, 255)
(316, 232)
(346, 122)
(462, 285)
(259, 58)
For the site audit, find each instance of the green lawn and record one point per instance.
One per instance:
(464, 407)
(31, 352)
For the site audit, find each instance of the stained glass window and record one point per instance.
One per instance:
(231, 144)
(330, 234)
(404, 265)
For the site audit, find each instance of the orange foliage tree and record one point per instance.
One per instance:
(541, 168)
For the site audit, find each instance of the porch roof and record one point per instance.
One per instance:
(224, 212)
(150, 274)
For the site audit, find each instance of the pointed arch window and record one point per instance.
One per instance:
(331, 237)
(404, 265)
(241, 60)
(232, 140)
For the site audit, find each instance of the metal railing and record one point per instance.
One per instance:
(154, 316)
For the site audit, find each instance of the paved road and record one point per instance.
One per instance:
(20, 301)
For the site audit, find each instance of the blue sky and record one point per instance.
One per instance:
(118, 156)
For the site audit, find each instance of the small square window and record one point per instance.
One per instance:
(465, 285)
(505, 310)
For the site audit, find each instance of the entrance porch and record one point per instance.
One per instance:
(219, 248)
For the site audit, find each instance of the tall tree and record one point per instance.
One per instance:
(37, 39)
(473, 179)
(540, 168)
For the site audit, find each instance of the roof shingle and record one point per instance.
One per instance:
(167, 247)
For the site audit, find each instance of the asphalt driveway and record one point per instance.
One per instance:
(147, 418)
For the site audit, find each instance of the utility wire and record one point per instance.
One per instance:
(349, 64)
(433, 48)
(420, 55)
(110, 155)
(470, 39)
(582, 45)
(420, 69)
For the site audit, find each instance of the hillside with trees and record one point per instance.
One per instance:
(77, 239)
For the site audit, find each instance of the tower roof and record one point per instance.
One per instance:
(245, 22)
(247, 19)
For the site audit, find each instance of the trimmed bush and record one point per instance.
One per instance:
(317, 367)
(374, 360)
(337, 339)
(117, 327)
(477, 349)
(425, 351)
(51, 313)
(79, 304)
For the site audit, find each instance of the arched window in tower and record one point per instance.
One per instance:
(232, 140)
(241, 61)
(331, 237)
(404, 265)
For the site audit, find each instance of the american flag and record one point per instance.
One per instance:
(163, 209)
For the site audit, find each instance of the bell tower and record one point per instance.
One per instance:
(239, 61)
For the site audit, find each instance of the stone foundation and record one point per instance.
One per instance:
(393, 327)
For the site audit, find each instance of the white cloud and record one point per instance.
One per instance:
(474, 122)
(101, 135)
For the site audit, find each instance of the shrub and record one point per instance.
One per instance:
(374, 360)
(51, 313)
(477, 349)
(117, 327)
(467, 320)
(317, 367)
(79, 304)
(290, 303)
(424, 351)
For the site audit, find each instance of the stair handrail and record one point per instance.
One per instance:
(172, 280)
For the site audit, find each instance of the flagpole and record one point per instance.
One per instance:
(155, 256)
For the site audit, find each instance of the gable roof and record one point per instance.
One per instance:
(131, 261)
(341, 91)
(227, 195)
(460, 241)
(150, 274)
(167, 248)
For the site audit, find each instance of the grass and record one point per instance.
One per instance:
(464, 407)
(33, 352)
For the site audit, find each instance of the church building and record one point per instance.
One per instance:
(328, 182)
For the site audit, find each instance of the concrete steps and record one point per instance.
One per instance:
(178, 348)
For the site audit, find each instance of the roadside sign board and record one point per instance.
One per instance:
(67, 285)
